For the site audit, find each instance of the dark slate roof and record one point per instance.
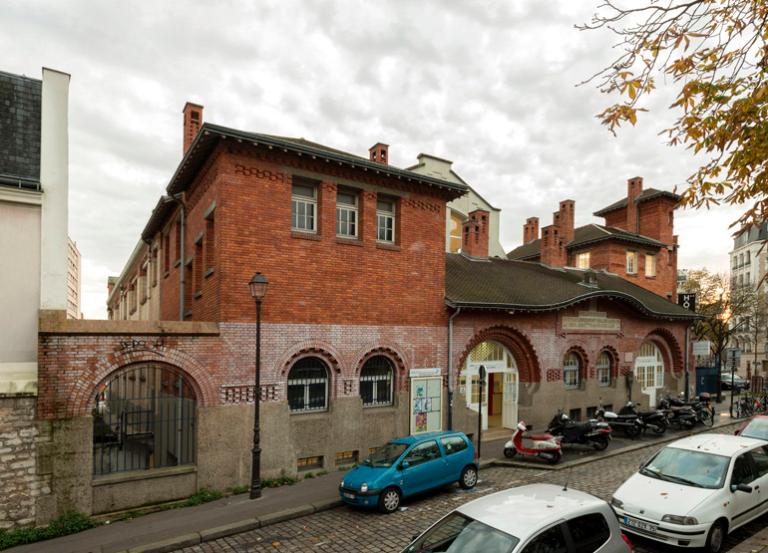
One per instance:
(645, 195)
(210, 134)
(525, 286)
(20, 104)
(163, 209)
(584, 236)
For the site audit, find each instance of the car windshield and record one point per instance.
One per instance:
(691, 468)
(758, 428)
(458, 533)
(385, 455)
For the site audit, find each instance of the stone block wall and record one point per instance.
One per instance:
(21, 485)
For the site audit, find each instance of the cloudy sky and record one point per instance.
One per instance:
(490, 85)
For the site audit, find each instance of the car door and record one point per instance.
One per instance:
(550, 540)
(760, 483)
(589, 533)
(453, 446)
(426, 467)
(741, 506)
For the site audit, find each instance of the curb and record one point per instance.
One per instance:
(196, 538)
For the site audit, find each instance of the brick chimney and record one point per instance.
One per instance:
(551, 247)
(474, 234)
(634, 188)
(567, 208)
(379, 153)
(530, 229)
(193, 120)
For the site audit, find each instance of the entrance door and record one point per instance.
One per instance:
(509, 402)
(649, 371)
(501, 369)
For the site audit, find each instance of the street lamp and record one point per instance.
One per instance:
(258, 286)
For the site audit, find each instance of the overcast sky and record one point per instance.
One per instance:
(489, 85)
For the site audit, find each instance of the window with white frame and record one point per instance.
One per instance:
(582, 260)
(650, 265)
(308, 386)
(376, 378)
(385, 220)
(631, 263)
(603, 367)
(649, 366)
(571, 370)
(346, 214)
(304, 207)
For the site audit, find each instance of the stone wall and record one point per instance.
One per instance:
(20, 484)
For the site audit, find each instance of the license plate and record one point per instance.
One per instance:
(349, 495)
(640, 525)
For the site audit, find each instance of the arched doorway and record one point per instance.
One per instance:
(144, 417)
(499, 402)
(649, 371)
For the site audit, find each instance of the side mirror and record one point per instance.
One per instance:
(741, 488)
(404, 465)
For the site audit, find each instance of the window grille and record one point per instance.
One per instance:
(346, 215)
(308, 386)
(346, 457)
(144, 418)
(603, 367)
(308, 463)
(304, 208)
(385, 221)
(571, 367)
(376, 382)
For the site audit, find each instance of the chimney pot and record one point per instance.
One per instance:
(379, 153)
(475, 234)
(193, 120)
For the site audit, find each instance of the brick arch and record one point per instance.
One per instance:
(108, 365)
(615, 360)
(581, 353)
(516, 342)
(670, 349)
(311, 351)
(401, 380)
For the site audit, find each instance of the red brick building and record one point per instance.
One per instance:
(369, 327)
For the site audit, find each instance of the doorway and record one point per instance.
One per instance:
(498, 406)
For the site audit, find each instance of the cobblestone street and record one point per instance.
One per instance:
(349, 530)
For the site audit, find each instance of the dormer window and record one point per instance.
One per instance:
(582, 260)
(631, 263)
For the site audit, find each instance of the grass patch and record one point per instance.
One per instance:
(234, 490)
(282, 480)
(68, 523)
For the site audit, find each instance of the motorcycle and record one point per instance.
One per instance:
(543, 446)
(679, 416)
(592, 433)
(631, 425)
(704, 410)
(655, 420)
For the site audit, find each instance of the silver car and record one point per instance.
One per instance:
(537, 518)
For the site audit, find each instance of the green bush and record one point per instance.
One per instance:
(203, 495)
(68, 523)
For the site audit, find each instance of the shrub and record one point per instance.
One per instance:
(68, 523)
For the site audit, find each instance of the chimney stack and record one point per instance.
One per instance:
(530, 229)
(193, 120)
(634, 189)
(567, 209)
(551, 246)
(474, 234)
(379, 153)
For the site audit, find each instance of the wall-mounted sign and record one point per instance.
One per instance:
(687, 301)
(426, 404)
(594, 321)
(418, 373)
(473, 367)
(702, 347)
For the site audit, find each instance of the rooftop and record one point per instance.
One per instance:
(720, 444)
(645, 195)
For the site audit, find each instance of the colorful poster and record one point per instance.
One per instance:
(426, 404)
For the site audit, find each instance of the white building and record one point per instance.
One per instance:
(74, 286)
(34, 173)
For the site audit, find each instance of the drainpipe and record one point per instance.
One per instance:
(450, 367)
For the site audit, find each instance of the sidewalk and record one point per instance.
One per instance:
(188, 526)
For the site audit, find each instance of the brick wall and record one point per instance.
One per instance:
(20, 484)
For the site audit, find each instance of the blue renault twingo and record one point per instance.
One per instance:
(410, 465)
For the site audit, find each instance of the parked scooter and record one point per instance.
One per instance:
(679, 416)
(702, 407)
(592, 433)
(655, 420)
(631, 424)
(544, 446)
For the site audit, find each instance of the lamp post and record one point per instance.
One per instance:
(481, 381)
(258, 286)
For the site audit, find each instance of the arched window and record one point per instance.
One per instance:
(144, 418)
(649, 366)
(376, 378)
(571, 371)
(308, 385)
(603, 367)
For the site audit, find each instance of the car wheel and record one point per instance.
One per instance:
(509, 452)
(716, 537)
(600, 444)
(389, 500)
(468, 478)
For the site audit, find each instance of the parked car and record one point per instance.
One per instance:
(695, 491)
(756, 428)
(410, 465)
(739, 383)
(528, 519)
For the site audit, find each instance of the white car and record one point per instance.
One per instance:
(695, 491)
(537, 518)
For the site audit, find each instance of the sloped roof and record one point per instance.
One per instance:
(522, 285)
(644, 196)
(583, 236)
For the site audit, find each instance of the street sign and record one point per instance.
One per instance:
(687, 301)
(702, 347)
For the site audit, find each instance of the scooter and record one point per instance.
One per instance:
(655, 420)
(680, 416)
(631, 425)
(592, 433)
(544, 446)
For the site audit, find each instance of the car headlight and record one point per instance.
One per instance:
(364, 487)
(616, 502)
(677, 519)
(342, 483)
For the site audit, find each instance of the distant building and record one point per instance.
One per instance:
(682, 279)
(74, 286)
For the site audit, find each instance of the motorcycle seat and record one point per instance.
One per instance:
(538, 436)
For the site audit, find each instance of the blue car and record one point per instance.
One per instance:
(410, 465)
